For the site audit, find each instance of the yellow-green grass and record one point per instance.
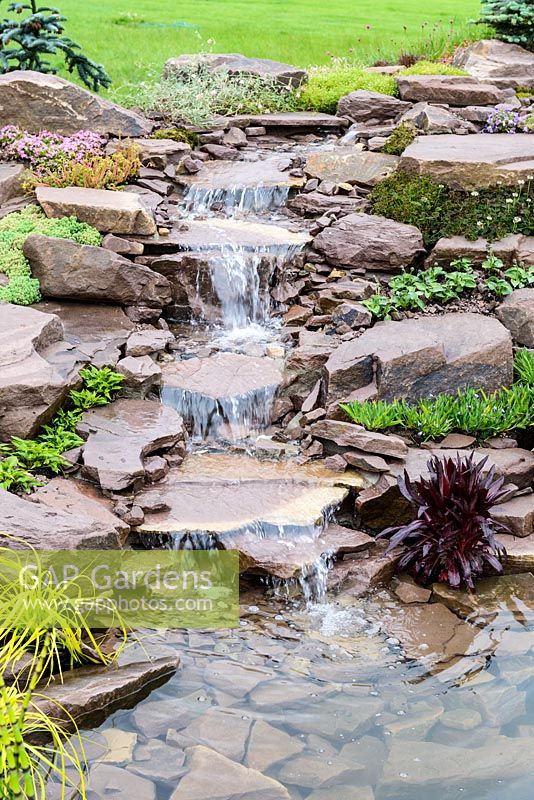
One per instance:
(133, 38)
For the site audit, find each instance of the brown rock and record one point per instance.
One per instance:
(409, 592)
(517, 514)
(500, 63)
(87, 695)
(141, 375)
(10, 181)
(519, 553)
(31, 388)
(124, 247)
(317, 203)
(297, 315)
(267, 745)
(121, 434)
(473, 161)
(492, 594)
(35, 101)
(46, 525)
(212, 775)
(144, 342)
(516, 313)
(106, 781)
(429, 630)
(362, 460)
(370, 242)
(457, 441)
(429, 119)
(452, 90)
(71, 271)
(350, 165)
(371, 107)
(109, 212)
(348, 435)
(421, 357)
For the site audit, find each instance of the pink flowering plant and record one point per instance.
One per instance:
(45, 150)
(506, 119)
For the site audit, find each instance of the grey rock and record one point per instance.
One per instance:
(371, 107)
(516, 313)
(238, 64)
(453, 90)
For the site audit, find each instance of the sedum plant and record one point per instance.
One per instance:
(453, 539)
(95, 171)
(22, 289)
(38, 32)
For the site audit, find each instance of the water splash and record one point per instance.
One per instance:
(235, 200)
(243, 414)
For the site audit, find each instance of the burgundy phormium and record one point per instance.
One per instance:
(453, 537)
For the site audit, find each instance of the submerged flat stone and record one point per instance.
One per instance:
(232, 174)
(350, 165)
(475, 161)
(217, 234)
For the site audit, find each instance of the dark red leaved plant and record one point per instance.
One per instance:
(454, 536)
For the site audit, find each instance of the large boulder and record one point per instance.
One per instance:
(37, 102)
(350, 165)
(516, 313)
(67, 270)
(107, 211)
(371, 108)
(452, 90)
(423, 357)
(31, 388)
(500, 63)
(471, 162)
(238, 64)
(370, 242)
(43, 526)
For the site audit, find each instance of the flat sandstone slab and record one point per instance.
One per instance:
(107, 211)
(475, 161)
(242, 174)
(350, 165)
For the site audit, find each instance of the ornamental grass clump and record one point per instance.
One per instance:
(22, 289)
(453, 538)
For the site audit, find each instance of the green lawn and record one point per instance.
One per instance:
(302, 32)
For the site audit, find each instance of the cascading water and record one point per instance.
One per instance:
(235, 201)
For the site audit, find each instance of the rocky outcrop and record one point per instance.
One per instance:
(107, 211)
(119, 437)
(423, 357)
(370, 242)
(44, 525)
(371, 108)
(35, 101)
(500, 63)
(67, 270)
(350, 165)
(471, 162)
(238, 64)
(345, 436)
(452, 90)
(516, 313)
(31, 388)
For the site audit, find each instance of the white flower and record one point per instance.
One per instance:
(517, 219)
(509, 200)
(474, 194)
(480, 224)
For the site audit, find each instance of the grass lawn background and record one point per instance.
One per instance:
(301, 32)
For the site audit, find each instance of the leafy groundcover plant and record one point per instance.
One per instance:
(442, 212)
(469, 411)
(22, 289)
(326, 85)
(23, 457)
(453, 538)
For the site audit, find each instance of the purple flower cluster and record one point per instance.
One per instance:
(506, 119)
(47, 150)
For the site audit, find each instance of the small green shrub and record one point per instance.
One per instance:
(93, 172)
(524, 366)
(22, 289)
(194, 95)
(440, 211)
(432, 68)
(513, 20)
(401, 138)
(22, 457)
(415, 290)
(326, 85)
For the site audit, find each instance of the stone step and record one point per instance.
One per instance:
(227, 387)
(284, 119)
(270, 172)
(227, 234)
(272, 512)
